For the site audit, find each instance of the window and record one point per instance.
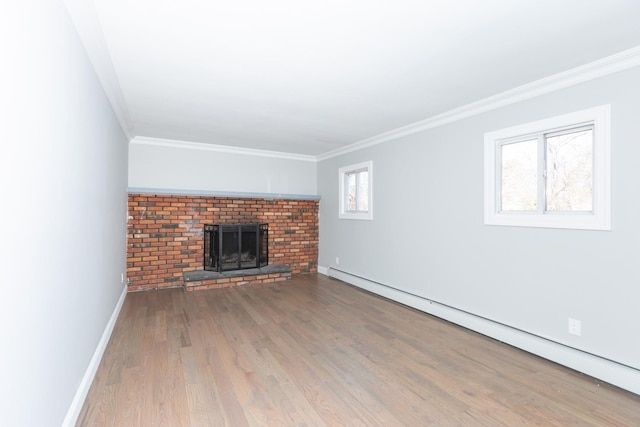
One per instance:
(551, 173)
(355, 191)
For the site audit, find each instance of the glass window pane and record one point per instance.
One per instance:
(519, 171)
(351, 191)
(570, 172)
(363, 191)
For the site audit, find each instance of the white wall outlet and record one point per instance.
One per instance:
(575, 327)
(122, 278)
(337, 260)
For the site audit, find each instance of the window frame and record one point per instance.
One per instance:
(343, 172)
(597, 219)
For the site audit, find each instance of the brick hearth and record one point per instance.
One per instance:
(165, 235)
(199, 279)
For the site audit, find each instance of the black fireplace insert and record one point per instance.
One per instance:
(235, 246)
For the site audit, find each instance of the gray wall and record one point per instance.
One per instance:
(427, 237)
(206, 170)
(63, 178)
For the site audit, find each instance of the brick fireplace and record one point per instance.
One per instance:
(165, 235)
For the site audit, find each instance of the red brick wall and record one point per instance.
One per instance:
(165, 234)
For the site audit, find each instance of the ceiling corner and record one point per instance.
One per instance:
(84, 17)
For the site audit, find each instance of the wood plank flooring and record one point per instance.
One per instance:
(318, 352)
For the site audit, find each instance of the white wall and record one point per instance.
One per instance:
(427, 240)
(204, 168)
(63, 182)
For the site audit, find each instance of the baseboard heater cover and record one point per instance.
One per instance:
(607, 370)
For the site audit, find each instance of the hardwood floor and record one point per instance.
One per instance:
(315, 352)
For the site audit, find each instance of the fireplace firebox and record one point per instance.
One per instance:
(235, 246)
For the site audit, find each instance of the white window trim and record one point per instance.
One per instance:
(343, 212)
(600, 218)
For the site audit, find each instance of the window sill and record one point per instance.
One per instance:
(361, 216)
(566, 221)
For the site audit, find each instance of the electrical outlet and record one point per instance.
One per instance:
(122, 278)
(337, 260)
(575, 327)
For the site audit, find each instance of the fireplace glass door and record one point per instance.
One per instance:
(235, 246)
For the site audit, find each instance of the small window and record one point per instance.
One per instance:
(551, 173)
(355, 191)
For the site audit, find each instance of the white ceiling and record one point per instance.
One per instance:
(309, 77)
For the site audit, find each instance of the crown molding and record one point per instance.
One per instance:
(173, 143)
(85, 19)
(609, 65)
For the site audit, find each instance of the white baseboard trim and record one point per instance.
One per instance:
(81, 394)
(606, 370)
(323, 270)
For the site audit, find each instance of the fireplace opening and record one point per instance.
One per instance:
(235, 246)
